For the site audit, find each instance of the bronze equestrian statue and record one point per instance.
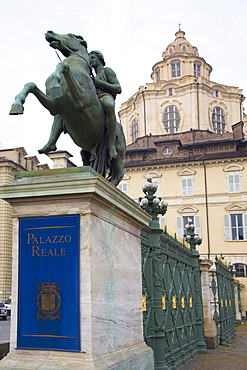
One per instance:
(72, 98)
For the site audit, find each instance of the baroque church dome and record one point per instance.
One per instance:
(180, 46)
(181, 97)
(180, 59)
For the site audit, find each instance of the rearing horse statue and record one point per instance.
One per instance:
(71, 97)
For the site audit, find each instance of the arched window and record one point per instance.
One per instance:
(134, 129)
(171, 119)
(218, 120)
(167, 151)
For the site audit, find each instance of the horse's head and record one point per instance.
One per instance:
(67, 44)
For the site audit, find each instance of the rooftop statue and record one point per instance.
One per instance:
(82, 105)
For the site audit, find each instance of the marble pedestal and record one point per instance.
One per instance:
(111, 332)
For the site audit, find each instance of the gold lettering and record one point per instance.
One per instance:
(29, 238)
(54, 239)
(56, 253)
(43, 252)
(63, 251)
(35, 250)
(50, 253)
(32, 239)
(61, 239)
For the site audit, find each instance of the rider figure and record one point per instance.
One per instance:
(107, 87)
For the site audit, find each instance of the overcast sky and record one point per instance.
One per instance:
(132, 34)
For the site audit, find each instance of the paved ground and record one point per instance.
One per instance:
(231, 356)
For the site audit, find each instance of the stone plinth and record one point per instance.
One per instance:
(210, 328)
(237, 303)
(111, 328)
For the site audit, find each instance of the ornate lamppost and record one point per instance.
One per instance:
(192, 238)
(152, 204)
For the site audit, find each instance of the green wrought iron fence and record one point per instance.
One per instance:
(172, 299)
(222, 285)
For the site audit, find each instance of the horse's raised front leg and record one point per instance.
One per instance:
(77, 92)
(45, 100)
(17, 107)
(55, 89)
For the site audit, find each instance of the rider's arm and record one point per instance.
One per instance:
(112, 84)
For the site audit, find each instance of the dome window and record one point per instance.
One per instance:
(170, 50)
(197, 70)
(171, 119)
(184, 48)
(218, 120)
(176, 69)
(157, 72)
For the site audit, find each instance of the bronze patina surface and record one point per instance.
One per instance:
(78, 109)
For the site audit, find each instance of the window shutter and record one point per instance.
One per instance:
(183, 186)
(180, 226)
(162, 221)
(245, 225)
(190, 186)
(230, 184)
(197, 225)
(237, 183)
(123, 186)
(227, 227)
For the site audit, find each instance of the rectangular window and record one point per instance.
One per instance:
(240, 270)
(235, 226)
(234, 183)
(197, 70)
(176, 69)
(123, 186)
(184, 220)
(187, 186)
(162, 222)
(170, 92)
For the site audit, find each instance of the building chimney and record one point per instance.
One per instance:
(237, 129)
(60, 159)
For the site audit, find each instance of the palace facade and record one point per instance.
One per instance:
(189, 133)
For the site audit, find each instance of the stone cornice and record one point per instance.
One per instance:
(71, 182)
